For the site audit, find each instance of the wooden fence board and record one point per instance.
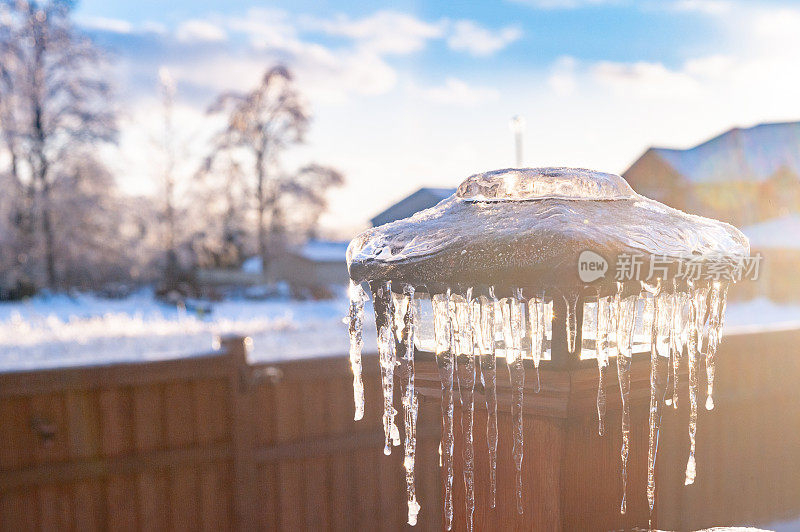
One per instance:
(83, 424)
(313, 399)
(340, 467)
(87, 506)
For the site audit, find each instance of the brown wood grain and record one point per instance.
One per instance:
(152, 486)
(181, 432)
(116, 415)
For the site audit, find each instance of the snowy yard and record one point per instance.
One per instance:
(84, 329)
(64, 331)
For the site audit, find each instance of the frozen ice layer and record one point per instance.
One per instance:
(527, 228)
(525, 184)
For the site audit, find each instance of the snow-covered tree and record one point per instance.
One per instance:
(90, 247)
(55, 103)
(261, 124)
(167, 89)
(223, 197)
(303, 199)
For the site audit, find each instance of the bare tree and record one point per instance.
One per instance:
(61, 105)
(262, 123)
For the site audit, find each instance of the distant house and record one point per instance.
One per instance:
(423, 198)
(748, 177)
(743, 176)
(312, 267)
(315, 265)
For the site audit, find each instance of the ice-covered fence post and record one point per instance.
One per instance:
(530, 242)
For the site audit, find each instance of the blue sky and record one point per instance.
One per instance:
(406, 94)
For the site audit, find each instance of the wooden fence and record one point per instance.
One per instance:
(203, 443)
(214, 443)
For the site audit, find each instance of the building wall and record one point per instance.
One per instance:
(651, 176)
(301, 272)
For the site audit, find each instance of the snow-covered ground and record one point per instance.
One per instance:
(761, 315)
(66, 330)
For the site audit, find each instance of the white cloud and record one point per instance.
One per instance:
(644, 79)
(112, 25)
(470, 37)
(358, 64)
(456, 92)
(266, 28)
(154, 27)
(562, 79)
(196, 30)
(777, 27)
(563, 4)
(325, 75)
(388, 32)
(709, 7)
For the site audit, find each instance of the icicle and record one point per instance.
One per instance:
(626, 316)
(715, 315)
(536, 320)
(399, 307)
(723, 305)
(445, 363)
(467, 388)
(601, 349)
(512, 338)
(463, 349)
(357, 298)
(676, 340)
(653, 311)
(489, 370)
(410, 404)
(572, 322)
(697, 308)
(517, 306)
(547, 334)
(384, 321)
(624, 376)
(693, 382)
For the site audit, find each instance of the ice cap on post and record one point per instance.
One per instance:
(528, 227)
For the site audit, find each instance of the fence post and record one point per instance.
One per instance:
(245, 474)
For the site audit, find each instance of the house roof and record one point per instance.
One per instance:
(753, 154)
(423, 198)
(777, 233)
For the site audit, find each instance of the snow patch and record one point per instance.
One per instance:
(58, 331)
(778, 233)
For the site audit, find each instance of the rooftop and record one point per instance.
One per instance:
(752, 154)
(421, 199)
